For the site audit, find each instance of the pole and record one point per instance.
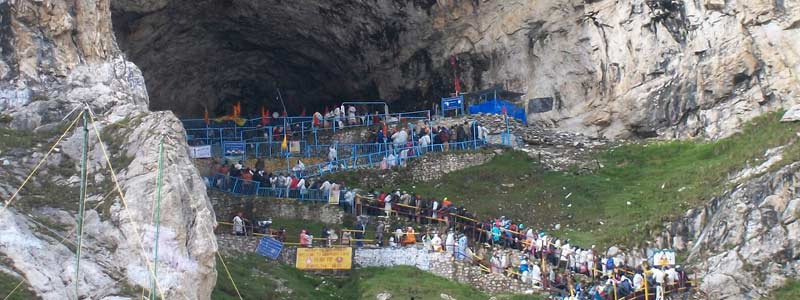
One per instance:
(644, 273)
(614, 285)
(82, 200)
(157, 217)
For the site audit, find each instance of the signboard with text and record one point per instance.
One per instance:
(453, 103)
(324, 258)
(233, 150)
(200, 151)
(269, 247)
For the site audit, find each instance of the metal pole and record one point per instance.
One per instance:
(157, 218)
(82, 200)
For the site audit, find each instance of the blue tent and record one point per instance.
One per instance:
(495, 106)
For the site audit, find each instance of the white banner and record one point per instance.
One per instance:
(663, 258)
(200, 152)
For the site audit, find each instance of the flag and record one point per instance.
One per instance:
(237, 110)
(206, 118)
(285, 143)
(264, 116)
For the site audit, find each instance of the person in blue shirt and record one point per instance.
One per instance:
(495, 234)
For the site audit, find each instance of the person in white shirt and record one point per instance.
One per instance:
(536, 275)
(238, 224)
(351, 115)
(435, 209)
(403, 157)
(400, 138)
(637, 281)
(436, 243)
(332, 154)
(301, 184)
(391, 160)
(672, 276)
(566, 251)
(325, 187)
(387, 207)
(424, 141)
(450, 242)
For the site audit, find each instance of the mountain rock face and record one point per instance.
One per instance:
(626, 68)
(639, 68)
(745, 242)
(57, 56)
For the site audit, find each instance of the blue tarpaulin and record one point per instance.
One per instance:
(495, 106)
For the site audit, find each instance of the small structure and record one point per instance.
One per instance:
(497, 101)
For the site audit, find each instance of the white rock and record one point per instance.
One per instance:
(792, 115)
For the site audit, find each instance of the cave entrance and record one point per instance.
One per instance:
(210, 54)
(198, 55)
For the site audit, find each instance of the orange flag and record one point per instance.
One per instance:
(285, 143)
(237, 110)
(205, 117)
(264, 116)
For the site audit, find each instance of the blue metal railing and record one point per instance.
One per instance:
(376, 159)
(200, 133)
(244, 187)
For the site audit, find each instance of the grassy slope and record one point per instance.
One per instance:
(789, 291)
(8, 283)
(660, 179)
(258, 278)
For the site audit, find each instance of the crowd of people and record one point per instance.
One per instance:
(241, 178)
(501, 245)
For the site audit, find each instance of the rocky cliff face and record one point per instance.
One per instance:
(746, 242)
(639, 68)
(56, 56)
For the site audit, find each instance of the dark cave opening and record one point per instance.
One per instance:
(211, 54)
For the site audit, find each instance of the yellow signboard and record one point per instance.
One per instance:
(324, 258)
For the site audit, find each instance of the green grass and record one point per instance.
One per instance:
(10, 139)
(411, 283)
(8, 283)
(791, 290)
(660, 179)
(259, 278)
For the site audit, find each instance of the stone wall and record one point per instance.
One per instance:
(434, 166)
(231, 245)
(440, 264)
(254, 208)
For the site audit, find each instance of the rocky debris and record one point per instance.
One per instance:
(555, 150)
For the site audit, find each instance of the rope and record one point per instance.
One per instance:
(81, 204)
(157, 217)
(136, 228)
(224, 265)
(41, 162)
(15, 289)
(63, 239)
